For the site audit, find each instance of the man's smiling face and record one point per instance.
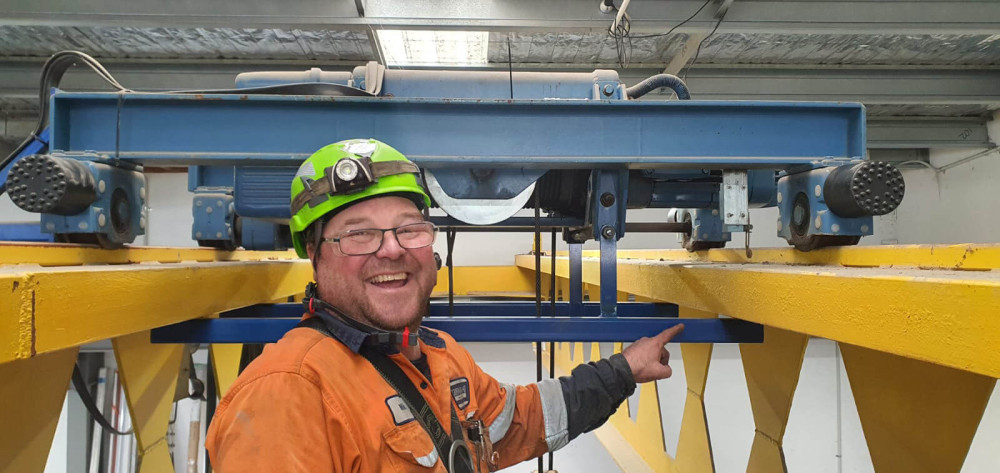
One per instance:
(388, 289)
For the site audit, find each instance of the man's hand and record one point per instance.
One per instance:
(649, 358)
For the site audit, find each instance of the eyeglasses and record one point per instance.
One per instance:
(366, 241)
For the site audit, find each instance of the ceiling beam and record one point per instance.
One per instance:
(785, 16)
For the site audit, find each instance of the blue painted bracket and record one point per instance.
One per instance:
(484, 329)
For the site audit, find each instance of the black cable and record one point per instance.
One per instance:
(88, 401)
(510, 68)
(552, 312)
(52, 73)
(538, 295)
(671, 30)
(698, 51)
(450, 236)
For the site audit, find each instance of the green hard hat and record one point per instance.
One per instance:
(346, 172)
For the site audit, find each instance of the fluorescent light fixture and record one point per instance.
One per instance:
(434, 48)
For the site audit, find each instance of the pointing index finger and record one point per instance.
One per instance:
(668, 334)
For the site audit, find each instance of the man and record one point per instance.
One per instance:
(340, 392)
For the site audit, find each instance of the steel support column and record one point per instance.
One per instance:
(772, 372)
(694, 448)
(917, 417)
(149, 376)
(32, 392)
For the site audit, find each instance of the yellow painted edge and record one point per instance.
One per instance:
(972, 256)
(63, 254)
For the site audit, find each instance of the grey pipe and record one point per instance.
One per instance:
(655, 82)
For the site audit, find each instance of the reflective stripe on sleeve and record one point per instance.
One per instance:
(554, 412)
(500, 425)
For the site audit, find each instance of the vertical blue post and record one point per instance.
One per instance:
(575, 279)
(607, 199)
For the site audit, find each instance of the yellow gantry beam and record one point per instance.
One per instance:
(890, 299)
(56, 306)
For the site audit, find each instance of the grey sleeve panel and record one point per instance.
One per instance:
(594, 391)
(554, 412)
(500, 425)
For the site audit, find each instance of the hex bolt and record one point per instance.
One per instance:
(608, 232)
(607, 199)
(608, 90)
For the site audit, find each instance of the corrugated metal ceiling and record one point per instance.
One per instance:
(196, 43)
(542, 48)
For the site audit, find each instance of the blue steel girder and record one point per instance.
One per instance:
(483, 329)
(481, 309)
(179, 129)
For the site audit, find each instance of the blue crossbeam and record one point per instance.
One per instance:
(483, 309)
(438, 133)
(484, 329)
(30, 231)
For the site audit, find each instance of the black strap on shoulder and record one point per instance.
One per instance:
(394, 375)
(397, 380)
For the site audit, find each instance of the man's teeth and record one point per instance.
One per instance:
(387, 277)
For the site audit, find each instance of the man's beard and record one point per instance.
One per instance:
(366, 315)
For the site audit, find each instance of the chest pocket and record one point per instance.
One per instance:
(410, 447)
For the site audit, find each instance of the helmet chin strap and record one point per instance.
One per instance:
(376, 336)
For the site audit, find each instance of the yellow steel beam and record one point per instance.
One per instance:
(32, 392)
(941, 316)
(917, 417)
(772, 371)
(149, 375)
(44, 309)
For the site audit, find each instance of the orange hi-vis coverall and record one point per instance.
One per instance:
(311, 403)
